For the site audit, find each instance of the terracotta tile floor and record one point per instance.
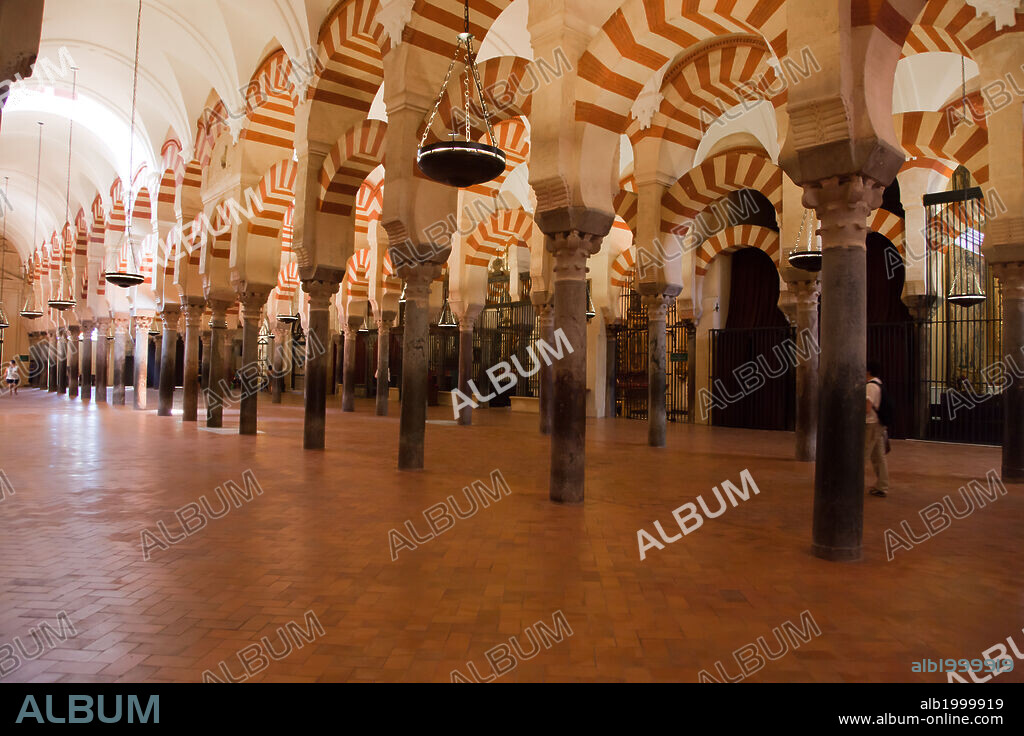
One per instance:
(90, 478)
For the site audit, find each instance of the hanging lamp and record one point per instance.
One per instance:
(29, 310)
(965, 288)
(461, 163)
(591, 312)
(126, 273)
(447, 316)
(808, 259)
(288, 318)
(65, 293)
(4, 322)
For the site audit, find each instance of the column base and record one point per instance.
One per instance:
(837, 554)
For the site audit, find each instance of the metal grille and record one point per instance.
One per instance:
(505, 330)
(632, 358)
(961, 341)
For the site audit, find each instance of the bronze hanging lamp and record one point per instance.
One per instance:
(125, 272)
(807, 259)
(4, 322)
(965, 259)
(462, 163)
(65, 294)
(30, 310)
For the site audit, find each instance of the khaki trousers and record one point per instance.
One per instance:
(874, 451)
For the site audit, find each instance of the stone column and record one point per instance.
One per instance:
(1011, 279)
(348, 376)
(86, 353)
(168, 352)
(466, 325)
(569, 421)
(193, 311)
(249, 379)
(205, 337)
(142, 326)
(842, 206)
(691, 371)
(120, 336)
(336, 371)
(317, 338)
(546, 311)
(657, 303)
(412, 424)
(102, 352)
(806, 293)
(282, 359)
(39, 352)
(62, 360)
(217, 389)
(74, 356)
(610, 368)
(51, 365)
(383, 361)
(920, 306)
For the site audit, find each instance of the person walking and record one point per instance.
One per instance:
(13, 378)
(875, 432)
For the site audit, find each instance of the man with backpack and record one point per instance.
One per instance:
(877, 420)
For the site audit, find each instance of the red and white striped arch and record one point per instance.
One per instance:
(623, 268)
(357, 276)
(351, 49)
(507, 85)
(277, 195)
(951, 26)
(390, 282)
(705, 82)
(733, 238)
(715, 178)
(889, 225)
(270, 104)
(641, 36)
(928, 135)
(352, 158)
(435, 23)
(369, 206)
(513, 137)
(493, 236)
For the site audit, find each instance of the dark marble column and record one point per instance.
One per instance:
(37, 379)
(691, 371)
(74, 358)
(546, 311)
(252, 301)
(86, 353)
(806, 293)
(62, 360)
(217, 390)
(170, 316)
(314, 432)
(282, 359)
(205, 338)
(383, 362)
(657, 303)
(51, 364)
(142, 325)
(120, 337)
(569, 422)
(842, 206)
(1011, 280)
(418, 266)
(466, 325)
(611, 362)
(336, 368)
(348, 376)
(102, 353)
(920, 306)
(193, 311)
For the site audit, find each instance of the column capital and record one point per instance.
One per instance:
(252, 300)
(219, 316)
(170, 315)
(467, 323)
(320, 292)
(384, 320)
(418, 280)
(193, 311)
(657, 306)
(103, 323)
(88, 324)
(806, 292)
(120, 325)
(143, 322)
(842, 204)
(571, 250)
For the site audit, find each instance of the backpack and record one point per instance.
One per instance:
(884, 408)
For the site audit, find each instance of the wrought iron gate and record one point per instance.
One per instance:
(738, 399)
